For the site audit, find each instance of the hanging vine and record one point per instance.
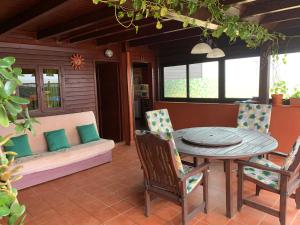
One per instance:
(251, 33)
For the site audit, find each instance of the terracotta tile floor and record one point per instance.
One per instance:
(112, 194)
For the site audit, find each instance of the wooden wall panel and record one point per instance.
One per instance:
(79, 91)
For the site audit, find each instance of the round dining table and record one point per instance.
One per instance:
(224, 143)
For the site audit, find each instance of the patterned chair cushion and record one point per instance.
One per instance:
(192, 181)
(254, 116)
(292, 155)
(269, 178)
(159, 121)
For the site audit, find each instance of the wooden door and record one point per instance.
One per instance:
(109, 101)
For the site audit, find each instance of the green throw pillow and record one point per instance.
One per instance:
(56, 140)
(20, 146)
(88, 133)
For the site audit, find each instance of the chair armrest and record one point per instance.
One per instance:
(187, 163)
(258, 166)
(196, 170)
(280, 154)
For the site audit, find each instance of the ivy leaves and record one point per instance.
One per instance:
(253, 34)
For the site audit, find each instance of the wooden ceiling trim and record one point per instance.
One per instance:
(169, 26)
(281, 16)
(235, 2)
(76, 24)
(161, 38)
(268, 6)
(284, 25)
(116, 28)
(29, 14)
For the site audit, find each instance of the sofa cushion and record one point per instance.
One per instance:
(50, 160)
(56, 140)
(20, 146)
(87, 133)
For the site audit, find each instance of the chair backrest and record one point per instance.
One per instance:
(158, 161)
(159, 121)
(292, 162)
(255, 116)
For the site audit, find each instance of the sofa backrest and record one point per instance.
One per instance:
(67, 121)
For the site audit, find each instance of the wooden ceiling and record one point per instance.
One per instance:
(79, 21)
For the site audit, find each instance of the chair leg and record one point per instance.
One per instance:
(184, 209)
(240, 187)
(205, 191)
(297, 198)
(282, 209)
(257, 190)
(147, 202)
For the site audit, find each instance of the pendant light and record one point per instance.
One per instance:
(215, 53)
(201, 48)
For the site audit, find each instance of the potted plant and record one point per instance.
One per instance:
(295, 97)
(11, 108)
(278, 91)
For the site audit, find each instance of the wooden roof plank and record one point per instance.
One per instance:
(30, 14)
(78, 23)
(161, 38)
(169, 26)
(268, 6)
(281, 16)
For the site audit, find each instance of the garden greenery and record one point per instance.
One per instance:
(279, 87)
(12, 107)
(251, 33)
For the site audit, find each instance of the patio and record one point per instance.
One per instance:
(215, 81)
(112, 194)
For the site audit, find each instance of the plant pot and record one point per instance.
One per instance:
(277, 99)
(294, 101)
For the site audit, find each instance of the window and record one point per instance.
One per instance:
(175, 81)
(242, 77)
(288, 72)
(51, 87)
(28, 89)
(203, 80)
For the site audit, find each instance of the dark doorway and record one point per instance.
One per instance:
(143, 100)
(109, 100)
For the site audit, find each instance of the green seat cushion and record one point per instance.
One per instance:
(87, 133)
(56, 140)
(20, 146)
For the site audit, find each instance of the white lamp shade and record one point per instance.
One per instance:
(201, 48)
(215, 53)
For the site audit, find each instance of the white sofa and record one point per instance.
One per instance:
(43, 166)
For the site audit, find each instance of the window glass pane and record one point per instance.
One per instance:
(288, 72)
(242, 77)
(204, 80)
(28, 89)
(175, 82)
(51, 82)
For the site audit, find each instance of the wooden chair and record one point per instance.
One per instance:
(164, 174)
(159, 121)
(284, 180)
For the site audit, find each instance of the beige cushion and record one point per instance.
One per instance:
(50, 160)
(49, 123)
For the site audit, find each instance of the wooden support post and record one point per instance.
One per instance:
(229, 192)
(126, 96)
(264, 74)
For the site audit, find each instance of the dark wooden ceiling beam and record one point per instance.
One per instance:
(281, 16)
(77, 24)
(161, 38)
(284, 25)
(235, 2)
(29, 14)
(268, 6)
(169, 26)
(114, 30)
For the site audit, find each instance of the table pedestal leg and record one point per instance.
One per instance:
(229, 186)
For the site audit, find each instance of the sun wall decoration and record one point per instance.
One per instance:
(77, 61)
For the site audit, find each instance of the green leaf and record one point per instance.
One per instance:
(4, 211)
(163, 11)
(19, 128)
(9, 60)
(122, 2)
(11, 108)
(10, 87)
(159, 25)
(4, 122)
(19, 100)
(3, 71)
(17, 209)
(2, 93)
(17, 71)
(5, 199)
(12, 220)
